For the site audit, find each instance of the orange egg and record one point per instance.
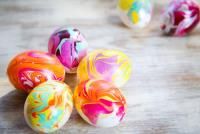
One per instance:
(30, 68)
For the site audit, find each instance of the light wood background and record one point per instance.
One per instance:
(163, 93)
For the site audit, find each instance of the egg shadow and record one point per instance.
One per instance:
(75, 118)
(12, 113)
(116, 21)
(190, 34)
(195, 32)
(150, 30)
(71, 80)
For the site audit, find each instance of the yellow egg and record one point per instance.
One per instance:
(110, 65)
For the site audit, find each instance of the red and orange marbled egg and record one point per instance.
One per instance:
(30, 68)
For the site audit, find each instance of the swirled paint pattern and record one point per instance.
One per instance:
(49, 106)
(110, 65)
(180, 17)
(31, 68)
(100, 103)
(135, 13)
(70, 46)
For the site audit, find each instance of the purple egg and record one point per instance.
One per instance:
(70, 46)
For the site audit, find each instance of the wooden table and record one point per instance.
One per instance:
(163, 93)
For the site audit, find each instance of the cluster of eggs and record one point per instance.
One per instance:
(179, 18)
(49, 104)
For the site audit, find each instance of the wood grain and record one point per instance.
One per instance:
(163, 93)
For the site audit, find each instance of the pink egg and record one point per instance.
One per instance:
(70, 46)
(100, 103)
(180, 17)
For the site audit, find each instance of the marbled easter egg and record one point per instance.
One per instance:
(135, 13)
(48, 106)
(30, 68)
(100, 103)
(110, 65)
(70, 46)
(180, 17)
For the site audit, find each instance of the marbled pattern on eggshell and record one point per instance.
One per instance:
(48, 107)
(100, 103)
(30, 68)
(110, 65)
(180, 17)
(135, 13)
(70, 46)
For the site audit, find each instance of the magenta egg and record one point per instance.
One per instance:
(180, 17)
(70, 46)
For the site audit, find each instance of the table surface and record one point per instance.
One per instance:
(163, 93)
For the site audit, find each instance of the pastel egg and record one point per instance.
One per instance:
(135, 13)
(110, 65)
(180, 17)
(48, 106)
(30, 68)
(100, 103)
(70, 46)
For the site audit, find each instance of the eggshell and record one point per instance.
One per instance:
(110, 65)
(100, 103)
(30, 68)
(180, 17)
(70, 46)
(48, 106)
(135, 13)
